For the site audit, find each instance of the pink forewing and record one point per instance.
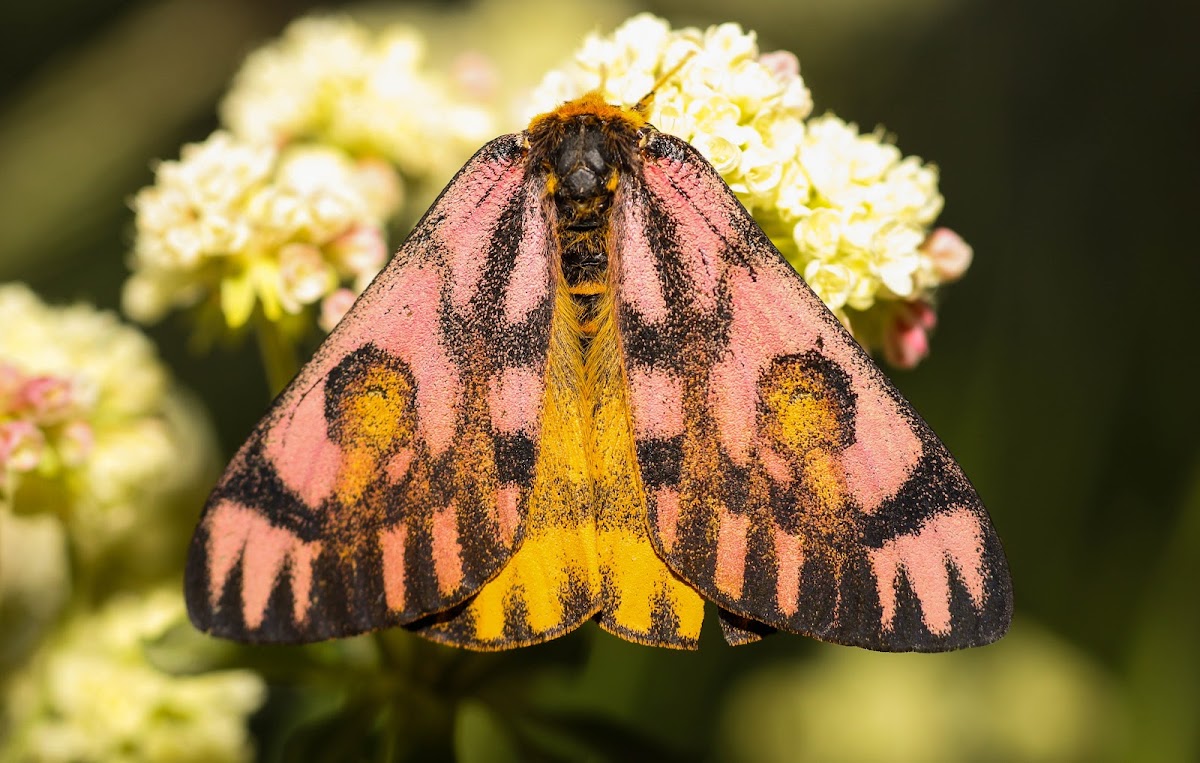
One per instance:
(228, 527)
(303, 557)
(299, 446)
(776, 466)
(398, 465)
(447, 549)
(656, 400)
(527, 283)
(789, 560)
(703, 321)
(666, 503)
(515, 399)
(468, 238)
(641, 285)
(262, 562)
(390, 550)
(392, 542)
(700, 239)
(237, 533)
(774, 316)
(414, 336)
(731, 552)
(954, 536)
(508, 499)
(298, 442)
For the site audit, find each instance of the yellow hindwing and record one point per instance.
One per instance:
(586, 550)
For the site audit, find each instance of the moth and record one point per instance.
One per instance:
(589, 387)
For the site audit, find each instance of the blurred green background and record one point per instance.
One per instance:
(1061, 375)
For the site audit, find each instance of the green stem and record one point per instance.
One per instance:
(278, 354)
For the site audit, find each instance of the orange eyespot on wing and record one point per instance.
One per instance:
(390, 480)
(787, 480)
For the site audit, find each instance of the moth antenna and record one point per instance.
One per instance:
(647, 100)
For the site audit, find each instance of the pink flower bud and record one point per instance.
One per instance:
(76, 443)
(361, 251)
(906, 339)
(922, 315)
(334, 307)
(950, 255)
(781, 63)
(21, 445)
(475, 74)
(48, 398)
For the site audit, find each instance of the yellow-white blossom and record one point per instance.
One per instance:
(91, 430)
(743, 110)
(847, 209)
(334, 81)
(869, 208)
(245, 226)
(91, 694)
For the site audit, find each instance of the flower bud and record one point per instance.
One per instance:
(46, 398)
(334, 307)
(950, 255)
(906, 338)
(21, 446)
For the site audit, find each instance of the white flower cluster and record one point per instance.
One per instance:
(743, 111)
(91, 694)
(286, 208)
(847, 209)
(92, 431)
(248, 225)
(858, 234)
(332, 81)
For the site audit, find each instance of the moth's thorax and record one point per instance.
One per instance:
(585, 148)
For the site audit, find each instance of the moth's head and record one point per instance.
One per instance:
(585, 161)
(584, 145)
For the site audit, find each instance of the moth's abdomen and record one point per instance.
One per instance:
(588, 295)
